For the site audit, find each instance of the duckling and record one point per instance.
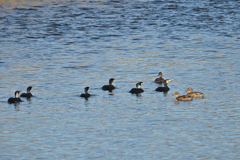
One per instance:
(109, 87)
(138, 88)
(86, 94)
(165, 88)
(28, 94)
(16, 99)
(160, 79)
(194, 94)
(182, 98)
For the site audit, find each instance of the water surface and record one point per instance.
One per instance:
(60, 47)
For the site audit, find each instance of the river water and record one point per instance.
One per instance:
(60, 47)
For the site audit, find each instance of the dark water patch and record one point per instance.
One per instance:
(226, 34)
(81, 28)
(39, 6)
(63, 6)
(95, 37)
(34, 37)
(170, 7)
(134, 27)
(136, 39)
(55, 25)
(200, 9)
(85, 8)
(91, 17)
(21, 27)
(25, 9)
(211, 51)
(76, 15)
(77, 67)
(55, 34)
(69, 43)
(111, 35)
(152, 24)
(115, 1)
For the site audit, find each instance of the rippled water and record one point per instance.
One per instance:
(59, 47)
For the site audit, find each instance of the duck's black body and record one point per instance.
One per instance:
(109, 87)
(28, 94)
(16, 99)
(138, 89)
(86, 94)
(165, 88)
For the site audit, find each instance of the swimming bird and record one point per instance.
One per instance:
(86, 94)
(109, 87)
(138, 88)
(194, 94)
(28, 94)
(182, 98)
(16, 99)
(165, 88)
(160, 79)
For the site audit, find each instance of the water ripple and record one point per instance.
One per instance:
(60, 47)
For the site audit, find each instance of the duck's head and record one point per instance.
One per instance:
(168, 80)
(189, 90)
(86, 89)
(160, 74)
(138, 85)
(111, 81)
(29, 89)
(17, 93)
(176, 94)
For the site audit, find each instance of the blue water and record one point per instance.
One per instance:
(60, 47)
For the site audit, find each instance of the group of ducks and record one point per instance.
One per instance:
(190, 94)
(17, 98)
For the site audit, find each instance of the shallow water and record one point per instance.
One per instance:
(59, 47)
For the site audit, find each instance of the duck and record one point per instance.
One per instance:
(16, 99)
(165, 88)
(109, 87)
(160, 79)
(86, 94)
(138, 88)
(183, 97)
(194, 94)
(28, 94)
